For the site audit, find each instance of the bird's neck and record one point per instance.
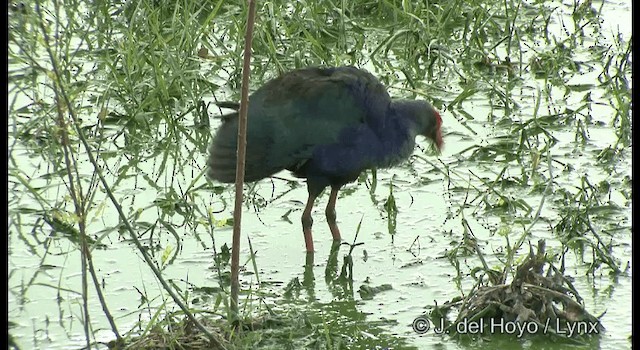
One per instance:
(398, 138)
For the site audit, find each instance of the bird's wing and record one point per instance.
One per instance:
(290, 116)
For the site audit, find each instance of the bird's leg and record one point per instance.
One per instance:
(331, 213)
(307, 222)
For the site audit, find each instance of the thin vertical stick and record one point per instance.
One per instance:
(242, 145)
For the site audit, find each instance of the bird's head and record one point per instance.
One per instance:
(426, 118)
(433, 131)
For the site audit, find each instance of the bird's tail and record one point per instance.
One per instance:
(221, 163)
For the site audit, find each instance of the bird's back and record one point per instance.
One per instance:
(291, 116)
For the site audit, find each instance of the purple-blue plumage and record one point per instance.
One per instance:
(326, 125)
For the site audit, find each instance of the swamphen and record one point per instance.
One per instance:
(326, 125)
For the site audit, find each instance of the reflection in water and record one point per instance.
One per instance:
(341, 322)
(340, 285)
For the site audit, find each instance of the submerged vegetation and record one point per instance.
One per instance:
(110, 114)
